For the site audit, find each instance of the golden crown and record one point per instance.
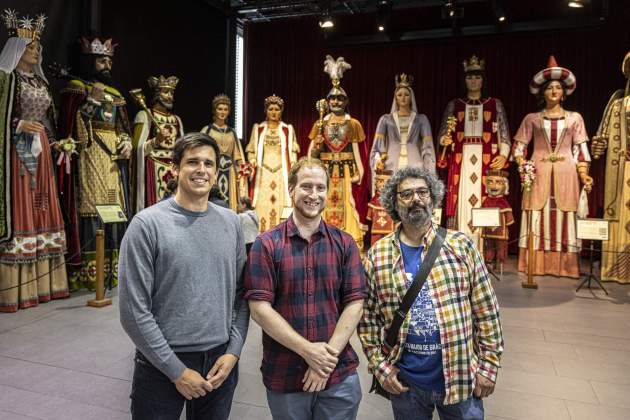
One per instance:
(221, 99)
(156, 83)
(474, 64)
(24, 27)
(97, 47)
(274, 99)
(403, 80)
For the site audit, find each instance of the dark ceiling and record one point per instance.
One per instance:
(475, 11)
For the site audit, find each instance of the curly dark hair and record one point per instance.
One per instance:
(388, 192)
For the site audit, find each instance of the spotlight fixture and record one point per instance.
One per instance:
(326, 21)
(499, 10)
(383, 14)
(451, 11)
(577, 4)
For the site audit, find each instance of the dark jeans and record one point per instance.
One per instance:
(154, 396)
(418, 404)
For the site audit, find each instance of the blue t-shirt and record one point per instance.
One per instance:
(421, 360)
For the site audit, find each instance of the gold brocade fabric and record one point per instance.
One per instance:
(616, 265)
(99, 178)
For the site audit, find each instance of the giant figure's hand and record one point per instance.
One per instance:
(31, 127)
(587, 181)
(498, 162)
(446, 141)
(192, 385)
(598, 146)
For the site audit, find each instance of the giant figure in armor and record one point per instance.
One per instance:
(335, 140)
(93, 114)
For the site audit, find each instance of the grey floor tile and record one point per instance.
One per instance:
(525, 406)
(46, 407)
(8, 415)
(582, 411)
(593, 369)
(613, 395)
(546, 385)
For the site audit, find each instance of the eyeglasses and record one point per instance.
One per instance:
(407, 195)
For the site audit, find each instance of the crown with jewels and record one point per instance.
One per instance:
(98, 47)
(156, 83)
(274, 99)
(221, 99)
(24, 27)
(474, 64)
(403, 80)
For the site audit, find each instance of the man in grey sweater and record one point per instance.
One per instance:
(180, 294)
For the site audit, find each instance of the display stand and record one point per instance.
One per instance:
(531, 256)
(592, 230)
(488, 217)
(107, 214)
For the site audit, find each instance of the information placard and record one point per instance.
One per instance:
(486, 217)
(110, 213)
(592, 229)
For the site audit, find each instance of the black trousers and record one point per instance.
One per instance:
(154, 396)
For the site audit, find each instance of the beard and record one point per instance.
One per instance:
(337, 110)
(103, 76)
(417, 215)
(166, 104)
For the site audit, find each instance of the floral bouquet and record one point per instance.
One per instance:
(527, 171)
(67, 148)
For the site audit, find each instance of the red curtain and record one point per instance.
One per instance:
(286, 58)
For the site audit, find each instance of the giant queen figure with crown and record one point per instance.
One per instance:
(154, 134)
(271, 151)
(335, 140)
(32, 237)
(94, 116)
(474, 137)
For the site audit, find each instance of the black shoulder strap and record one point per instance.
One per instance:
(418, 281)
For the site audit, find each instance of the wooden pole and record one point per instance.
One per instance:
(100, 300)
(531, 257)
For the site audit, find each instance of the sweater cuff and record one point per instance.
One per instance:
(173, 367)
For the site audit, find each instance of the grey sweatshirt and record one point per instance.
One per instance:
(180, 283)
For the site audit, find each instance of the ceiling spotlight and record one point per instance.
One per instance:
(383, 14)
(578, 4)
(450, 10)
(326, 21)
(499, 10)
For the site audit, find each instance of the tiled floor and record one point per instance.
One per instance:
(567, 356)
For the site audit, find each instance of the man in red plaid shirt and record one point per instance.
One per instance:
(305, 286)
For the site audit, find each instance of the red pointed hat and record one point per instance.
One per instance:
(553, 72)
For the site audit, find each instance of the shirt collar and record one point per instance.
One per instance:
(292, 229)
(426, 241)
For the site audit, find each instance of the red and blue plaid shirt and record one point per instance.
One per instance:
(308, 283)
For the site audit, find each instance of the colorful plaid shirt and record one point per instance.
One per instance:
(465, 305)
(308, 283)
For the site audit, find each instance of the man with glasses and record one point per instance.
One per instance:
(449, 345)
